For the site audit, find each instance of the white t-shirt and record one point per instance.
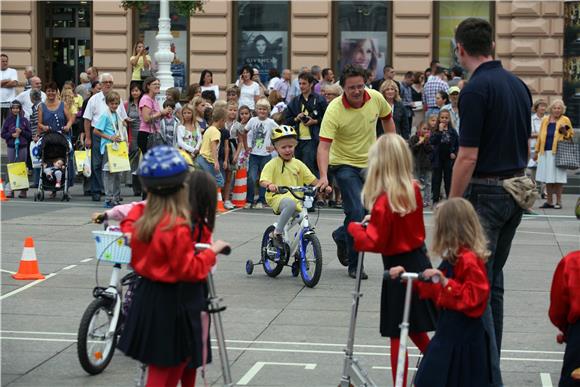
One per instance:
(214, 88)
(8, 94)
(247, 94)
(24, 99)
(97, 106)
(259, 133)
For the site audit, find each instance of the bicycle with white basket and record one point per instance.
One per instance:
(101, 323)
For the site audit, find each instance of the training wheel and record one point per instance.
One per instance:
(249, 266)
(295, 269)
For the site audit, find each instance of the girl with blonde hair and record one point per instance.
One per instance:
(461, 293)
(395, 230)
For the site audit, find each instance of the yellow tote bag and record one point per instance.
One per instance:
(118, 154)
(80, 156)
(18, 176)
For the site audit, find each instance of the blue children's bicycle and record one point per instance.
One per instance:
(303, 245)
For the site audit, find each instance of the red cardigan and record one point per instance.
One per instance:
(467, 292)
(389, 233)
(169, 256)
(565, 293)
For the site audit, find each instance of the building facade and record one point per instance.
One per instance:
(61, 39)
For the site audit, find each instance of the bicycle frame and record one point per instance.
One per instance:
(113, 293)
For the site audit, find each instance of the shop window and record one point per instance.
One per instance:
(571, 79)
(261, 29)
(147, 22)
(448, 14)
(362, 31)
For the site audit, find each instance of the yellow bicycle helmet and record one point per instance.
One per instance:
(283, 131)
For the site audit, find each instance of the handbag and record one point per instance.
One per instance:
(146, 73)
(154, 139)
(568, 155)
(87, 164)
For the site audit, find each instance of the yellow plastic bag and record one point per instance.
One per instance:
(18, 176)
(118, 154)
(80, 156)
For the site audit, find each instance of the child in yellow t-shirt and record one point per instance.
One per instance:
(284, 170)
(208, 154)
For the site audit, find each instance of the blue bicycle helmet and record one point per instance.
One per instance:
(163, 170)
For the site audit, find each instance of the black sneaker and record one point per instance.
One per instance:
(340, 250)
(277, 241)
(352, 274)
(96, 198)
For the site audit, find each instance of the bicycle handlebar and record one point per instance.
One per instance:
(306, 190)
(204, 246)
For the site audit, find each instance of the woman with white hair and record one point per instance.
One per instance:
(556, 127)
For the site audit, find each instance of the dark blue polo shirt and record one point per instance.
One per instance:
(495, 110)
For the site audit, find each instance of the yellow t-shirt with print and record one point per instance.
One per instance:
(136, 75)
(289, 173)
(303, 129)
(210, 135)
(353, 131)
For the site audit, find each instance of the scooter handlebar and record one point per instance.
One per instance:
(414, 276)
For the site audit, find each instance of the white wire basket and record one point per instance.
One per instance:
(111, 247)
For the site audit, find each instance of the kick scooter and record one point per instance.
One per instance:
(215, 309)
(353, 374)
(409, 277)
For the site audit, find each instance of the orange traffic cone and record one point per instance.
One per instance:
(3, 197)
(220, 203)
(240, 188)
(28, 269)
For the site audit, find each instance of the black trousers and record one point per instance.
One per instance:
(442, 172)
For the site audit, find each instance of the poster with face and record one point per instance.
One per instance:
(367, 49)
(263, 50)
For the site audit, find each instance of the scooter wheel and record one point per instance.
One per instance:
(295, 269)
(249, 267)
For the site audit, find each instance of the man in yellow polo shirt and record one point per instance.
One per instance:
(348, 130)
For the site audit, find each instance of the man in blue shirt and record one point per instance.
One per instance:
(495, 110)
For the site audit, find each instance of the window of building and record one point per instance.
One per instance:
(448, 14)
(147, 22)
(261, 35)
(361, 30)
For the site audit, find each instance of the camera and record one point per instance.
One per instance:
(305, 119)
(147, 48)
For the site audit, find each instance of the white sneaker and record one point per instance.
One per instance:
(248, 205)
(259, 205)
(228, 205)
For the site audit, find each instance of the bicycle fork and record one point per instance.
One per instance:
(112, 292)
(352, 372)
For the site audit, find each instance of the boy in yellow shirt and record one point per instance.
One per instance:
(285, 170)
(208, 153)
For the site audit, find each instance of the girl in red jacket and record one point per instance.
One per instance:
(565, 314)
(457, 355)
(396, 230)
(162, 329)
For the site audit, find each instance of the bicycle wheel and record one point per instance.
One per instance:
(311, 263)
(94, 348)
(272, 258)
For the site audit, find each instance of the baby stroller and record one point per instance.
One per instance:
(53, 146)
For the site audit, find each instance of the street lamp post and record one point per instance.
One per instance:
(164, 56)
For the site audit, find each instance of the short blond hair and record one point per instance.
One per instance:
(554, 103)
(390, 83)
(390, 171)
(219, 113)
(457, 226)
(263, 102)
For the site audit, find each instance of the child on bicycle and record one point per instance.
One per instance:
(457, 355)
(396, 230)
(284, 170)
(160, 330)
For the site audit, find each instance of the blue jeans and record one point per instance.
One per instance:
(350, 180)
(97, 185)
(256, 164)
(206, 166)
(306, 152)
(500, 216)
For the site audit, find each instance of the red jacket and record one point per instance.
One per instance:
(565, 293)
(467, 292)
(169, 256)
(389, 233)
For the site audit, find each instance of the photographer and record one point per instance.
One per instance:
(305, 113)
(140, 62)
